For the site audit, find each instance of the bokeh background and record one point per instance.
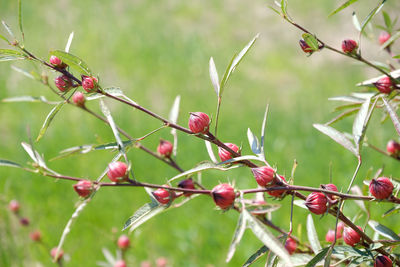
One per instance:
(155, 50)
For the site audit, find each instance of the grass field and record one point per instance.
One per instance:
(155, 50)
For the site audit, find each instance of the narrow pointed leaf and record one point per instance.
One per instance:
(259, 253)
(20, 19)
(356, 23)
(53, 112)
(360, 122)
(210, 152)
(319, 257)
(387, 20)
(8, 54)
(393, 115)
(253, 141)
(391, 40)
(284, 7)
(113, 126)
(350, 99)
(173, 117)
(214, 76)
(73, 61)
(142, 215)
(263, 132)
(337, 136)
(8, 29)
(34, 155)
(265, 236)
(343, 6)
(28, 98)
(32, 75)
(5, 39)
(113, 145)
(69, 42)
(312, 235)
(8, 163)
(311, 41)
(395, 74)
(371, 15)
(383, 230)
(240, 228)
(114, 91)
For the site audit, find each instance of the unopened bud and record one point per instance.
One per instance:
(393, 148)
(384, 85)
(123, 242)
(381, 188)
(290, 245)
(305, 47)
(79, 99)
(187, 184)
(84, 188)
(163, 196)
(63, 83)
(383, 37)
(350, 236)
(55, 253)
(36, 236)
(277, 193)
(14, 206)
(117, 171)
(264, 175)
(316, 203)
(199, 122)
(383, 261)
(165, 148)
(55, 61)
(349, 46)
(88, 83)
(225, 155)
(120, 263)
(223, 195)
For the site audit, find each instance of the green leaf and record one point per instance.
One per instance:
(360, 123)
(28, 98)
(356, 23)
(8, 163)
(8, 54)
(53, 112)
(319, 257)
(83, 149)
(113, 145)
(113, 126)
(388, 21)
(284, 7)
(265, 236)
(5, 39)
(346, 251)
(393, 115)
(73, 61)
(142, 215)
(258, 254)
(32, 75)
(254, 143)
(214, 76)
(391, 40)
(397, 56)
(311, 41)
(337, 136)
(391, 211)
(343, 6)
(312, 235)
(20, 19)
(8, 29)
(371, 15)
(300, 203)
(263, 132)
(34, 155)
(383, 230)
(237, 236)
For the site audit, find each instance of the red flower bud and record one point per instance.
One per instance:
(199, 122)
(316, 203)
(55, 61)
(117, 171)
(120, 263)
(384, 85)
(350, 236)
(226, 155)
(305, 47)
(88, 83)
(264, 175)
(24, 221)
(290, 245)
(383, 37)
(84, 188)
(381, 188)
(161, 262)
(383, 261)
(392, 147)
(330, 187)
(349, 46)
(54, 253)
(223, 195)
(330, 235)
(79, 99)
(14, 206)
(165, 148)
(123, 242)
(340, 227)
(277, 193)
(188, 184)
(36, 236)
(63, 83)
(163, 196)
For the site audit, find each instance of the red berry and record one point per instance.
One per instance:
(120, 263)
(264, 175)
(165, 148)
(277, 193)
(384, 85)
(305, 47)
(383, 37)
(223, 195)
(350, 236)
(63, 83)
(117, 171)
(188, 184)
(84, 188)
(225, 155)
(55, 61)
(330, 187)
(88, 83)
(36, 236)
(290, 245)
(199, 122)
(79, 99)
(383, 261)
(123, 242)
(14, 206)
(24, 221)
(330, 235)
(392, 147)
(381, 188)
(349, 46)
(316, 203)
(163, 196)
(54, 253)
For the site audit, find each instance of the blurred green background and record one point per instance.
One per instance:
(155, 50)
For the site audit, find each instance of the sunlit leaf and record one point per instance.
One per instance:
(356, 23)
(173, 117)
(360, 123)
(259, 253)
(28, 98)
(350, 99)
(343, 6)
(383, 230)
(387, 20)
(371, 15)
(311, 41)
(312, 235)
(395, 74)
(237, 236)
(263, 132)
(393, 115)
(53, 112)
(214, 76)
(8, 54)
(69, 42)
(34, 155)
(73, 61)
(337, 136)
(142, 215)
(8, 29)
(5, 39)
(253, 141)
(114, 91)
(210, 152)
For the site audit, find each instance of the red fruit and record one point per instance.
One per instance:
(163, 196)
(55, 61)
(330, 235)
(36, 236)
(188, 184)
(290, 245)
(383, 37)
(384, 85)
(161, 262)
(63, 83)
(383, 261)
(381, 188)
(117, 171)
(84, 188)
(14, 206)
(223, 195)
(330, 187)
(393, 147)
(120, 263)
(277, 193)
(264, 175)
(226, 155)
(316, 203)
(199, 122)
(350, 236)
(88, 83)
(24, 221)
(305, 47)
(123, 242)
(79, 99)
(349, 46)
(54, 253)
(165, 148)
